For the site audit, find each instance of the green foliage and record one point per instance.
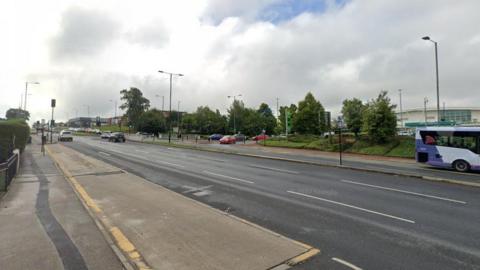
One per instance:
(406, 149)
(204, 121)
(134, 103)
(310, 116)
(9, 129)
(13, 113)
(292, 110)
(236, 116)
(352, 111)
(151, 121)
(368, 147)
(379, 119)
(267, 120)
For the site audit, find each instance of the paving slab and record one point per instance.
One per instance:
(171, 231)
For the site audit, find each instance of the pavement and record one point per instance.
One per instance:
(44, 226)
(159, 229)
(390, 165)
(359, 219)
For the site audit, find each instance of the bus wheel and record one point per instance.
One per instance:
(461, 166)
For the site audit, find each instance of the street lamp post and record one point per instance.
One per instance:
(170, 107)
(115, 110)
(401, 110)
(425, 101)
(26, 93)
(234, 120)
(436, 72)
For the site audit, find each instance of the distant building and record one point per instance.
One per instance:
(453, 115)
(85, 122)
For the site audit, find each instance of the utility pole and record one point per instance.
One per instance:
(425, 101)
(53, 103)
(401, 110)
(443, 116)
(163, 103)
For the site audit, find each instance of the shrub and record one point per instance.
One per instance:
(16, 128)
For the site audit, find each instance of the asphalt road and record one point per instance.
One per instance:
(357, 219)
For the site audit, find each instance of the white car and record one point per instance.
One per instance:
(65, 135)
(105, 135)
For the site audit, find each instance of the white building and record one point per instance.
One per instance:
(457, 115)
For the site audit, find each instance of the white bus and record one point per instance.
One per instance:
(449, 147)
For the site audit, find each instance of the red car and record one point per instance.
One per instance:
(260, 137)
(228, 140)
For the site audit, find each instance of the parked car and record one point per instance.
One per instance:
(228, 140)
(105, 135)
(65, 136)
(260, 137)
(215, 137)
(240, 137)
(116, 137)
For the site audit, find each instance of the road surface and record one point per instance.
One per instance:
(359, 220)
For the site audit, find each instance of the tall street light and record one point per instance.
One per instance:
(401, 110)
(115, 111)
(170, 107)
(234, 120)
(26, 93)
(436, 69)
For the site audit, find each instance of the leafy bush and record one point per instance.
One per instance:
(16, 128)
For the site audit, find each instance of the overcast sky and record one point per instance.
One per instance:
(85, 52)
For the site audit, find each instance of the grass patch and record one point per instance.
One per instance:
(114, 128)
(284, 143)
(405, 148)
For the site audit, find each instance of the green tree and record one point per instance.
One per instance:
(135, 104)
(207, 121)
(310, 116)
(151, 121)
(281, 121)
(268, 120)
(17, 113)
(379, 119)
(352, 111)
(236, 116)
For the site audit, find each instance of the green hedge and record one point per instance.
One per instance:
(10, 128)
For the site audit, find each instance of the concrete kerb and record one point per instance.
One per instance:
(427, 178)
(102, 224)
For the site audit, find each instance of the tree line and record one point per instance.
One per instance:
(375, 118)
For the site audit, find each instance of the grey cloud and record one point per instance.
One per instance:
(154, 34)
(83, 33)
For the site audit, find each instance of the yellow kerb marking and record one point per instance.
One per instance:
(302, 257)
(122, 240)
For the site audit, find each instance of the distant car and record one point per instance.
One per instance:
(240, 137)
(105, 135)
(260, 137)
(65, 136)
(405, 133)
(116, 137)
(228, 140)
(215, 137)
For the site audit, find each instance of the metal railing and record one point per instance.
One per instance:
(8, 170)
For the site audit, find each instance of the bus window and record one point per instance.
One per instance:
(469, 143)
(430, 140)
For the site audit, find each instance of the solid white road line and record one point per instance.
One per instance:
(273, 169)
(229, 177)
(404, 191)
(352, 266)
(103, 153)
(351, 206)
